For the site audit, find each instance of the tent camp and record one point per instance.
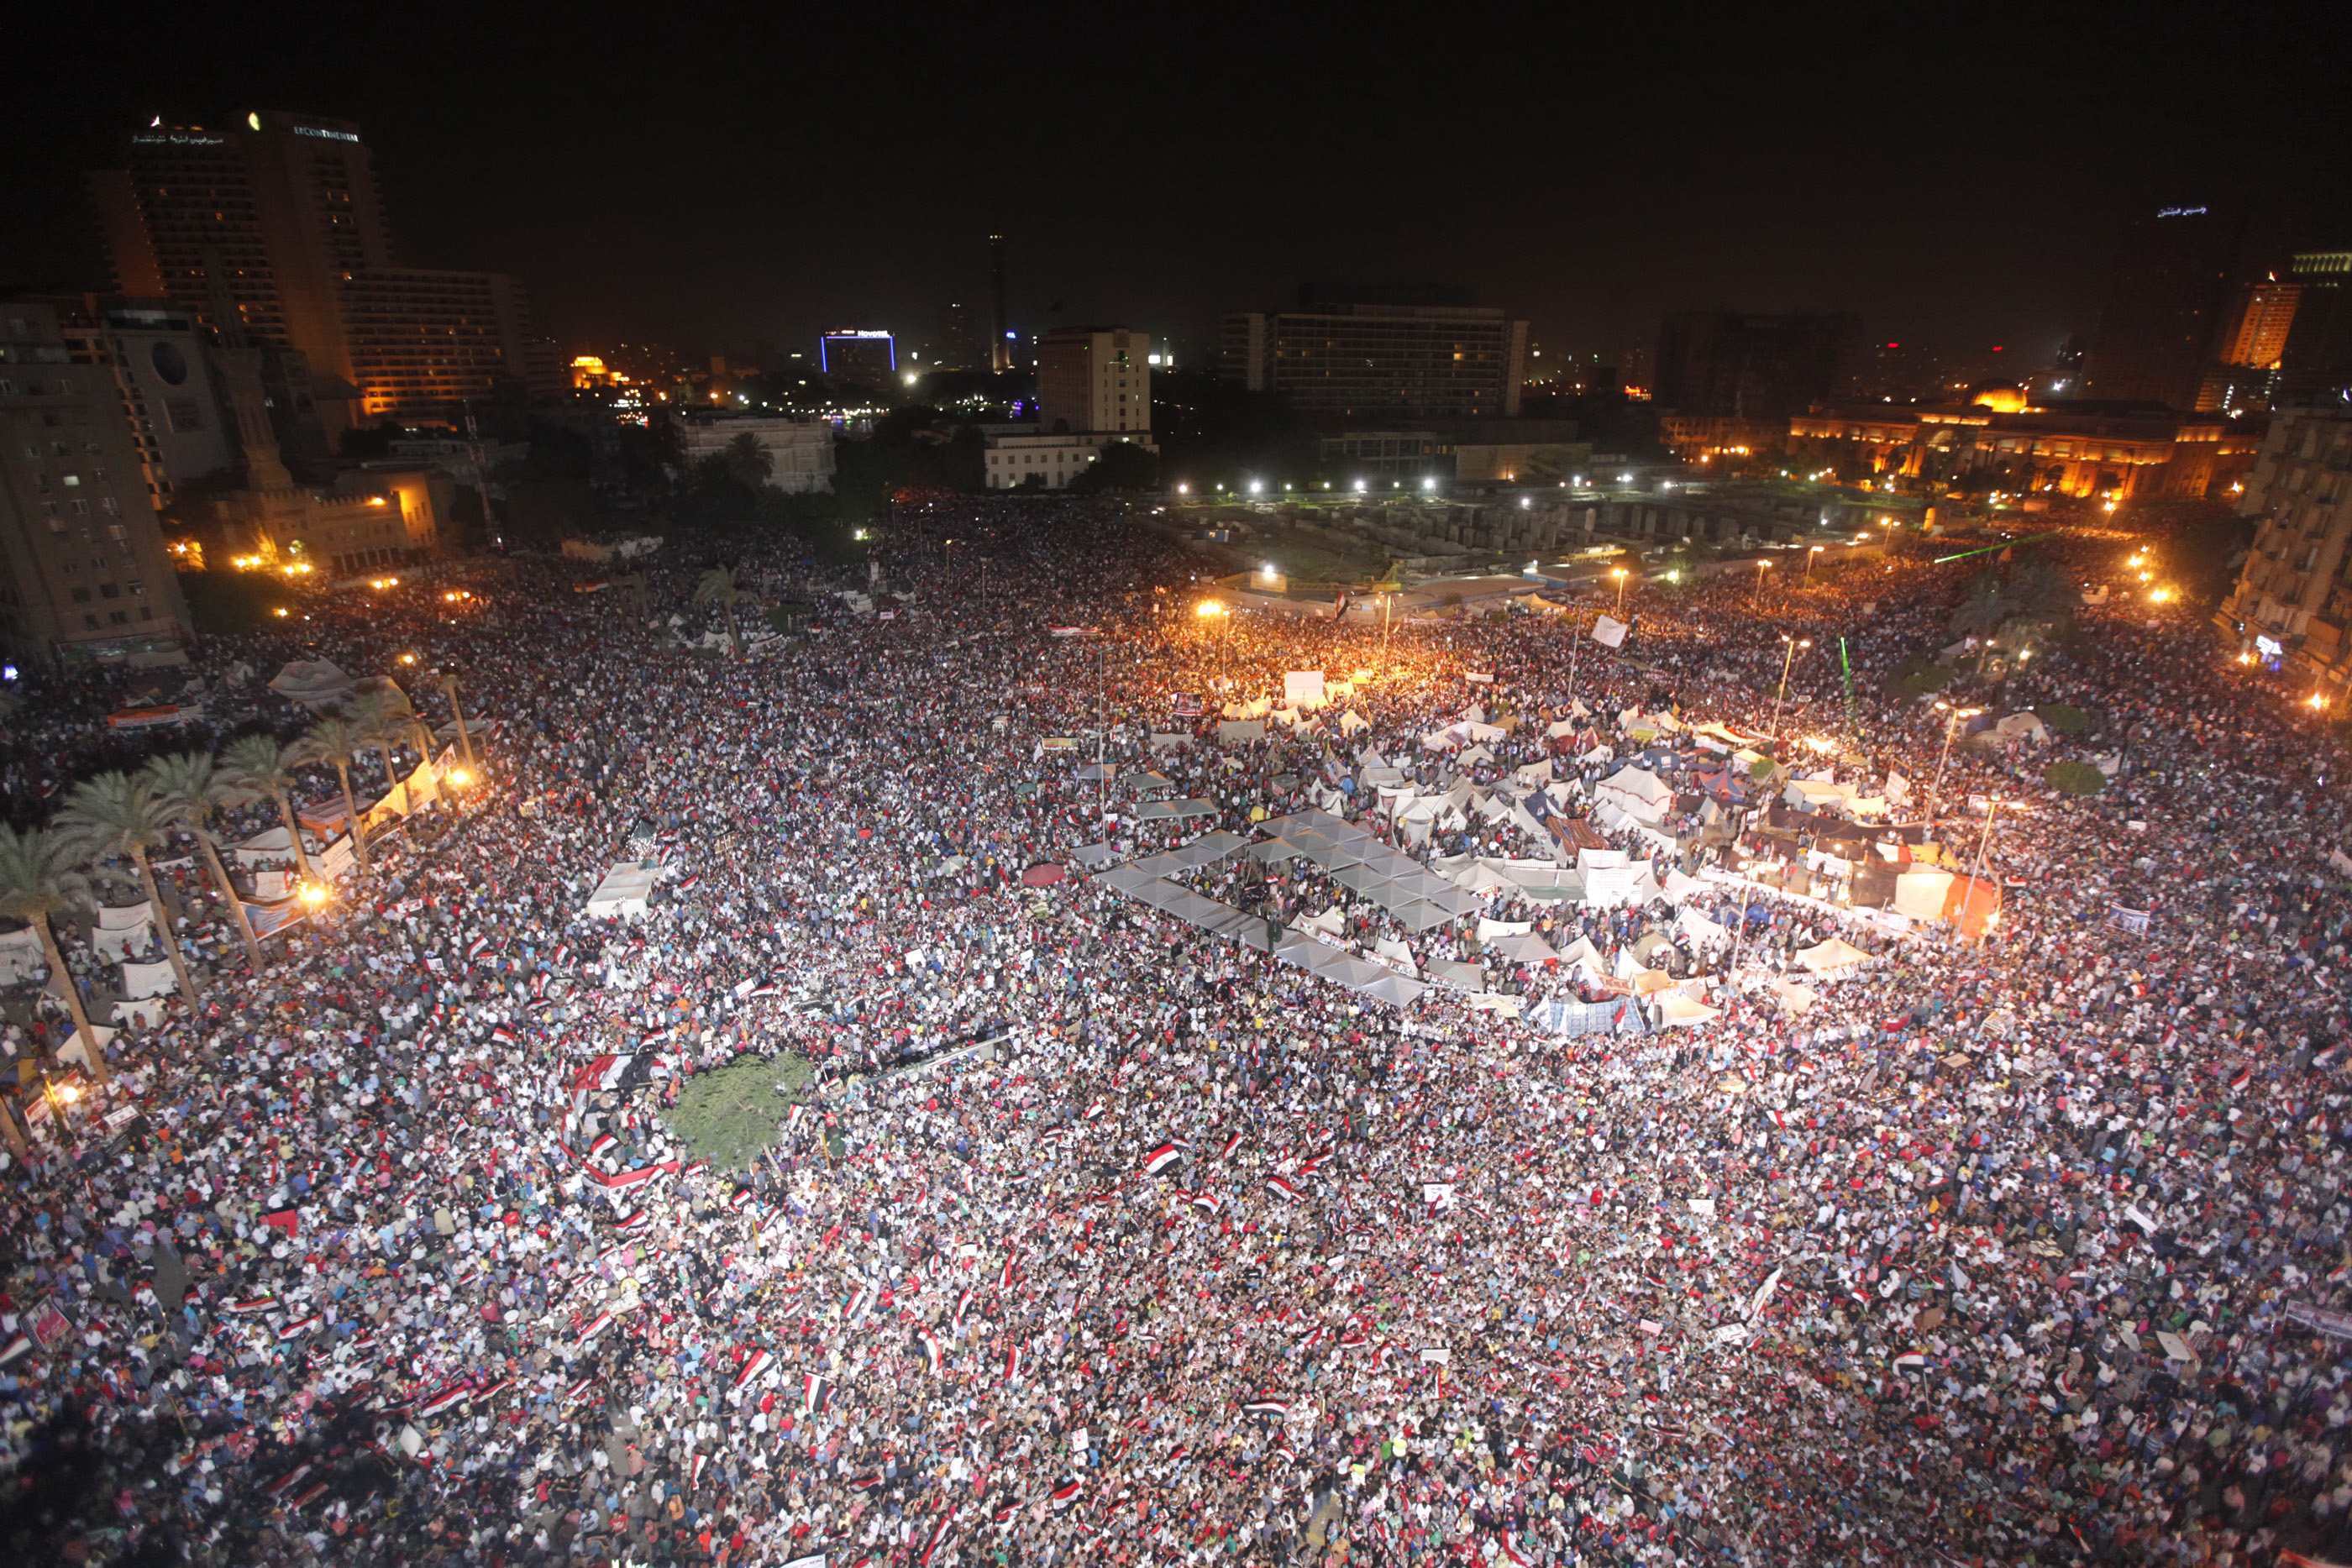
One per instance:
(146, 979)
(1921, 893)
(624, 890)
(314, 683)
(1834, 956)
(1793, 997)
(1676, 1011)
(20, 956)
(1640, 794)
(2021, 727)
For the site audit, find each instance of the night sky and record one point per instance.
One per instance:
(1958, 177)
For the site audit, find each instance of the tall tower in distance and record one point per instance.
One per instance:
(999, 342)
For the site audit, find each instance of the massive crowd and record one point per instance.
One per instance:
(1988, 1258)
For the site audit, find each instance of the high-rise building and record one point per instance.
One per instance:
(961, 348)
(163, 363)
(1094, 379)
(272, 232)
(2292, 604)
(1734, 365)
(1352, 362)
(999, 342)
(2317, 359)
(84, 573)
(862, 356)
(426, 342)
(2163, 309)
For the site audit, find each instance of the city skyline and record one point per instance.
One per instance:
(1593, 188)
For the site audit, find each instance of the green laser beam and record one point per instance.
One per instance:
(2005, 544)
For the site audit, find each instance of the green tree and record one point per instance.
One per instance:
(192, 791)
(41, 877)
(338, 742)
(1123, 466)
(385, 716)
(717, 586)
(260, 770)
(118, 814)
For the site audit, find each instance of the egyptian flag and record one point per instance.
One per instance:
(1004, 1275)
(1355, 1338)
(963, 1300)
(598, 1145)
(594, 1326)
(1177, 1455)
(1164, 1156)
(17, 1349)
(1095, 1109)
(813, 1560)
(694, 1474)
(937, 1540)
(296, 1329)
(1511, 1552)
(1278, 1409)
(757, 1363)
(861, 1302)
(1231, 1145)
(502, 1035)
(1054, 1135)
(816, 1394)
(501, 1387)
(636, 1219)
(1208, 1202)
(689, 883)
(456, 1394)
(1281, 1188)
(1012, 1364)
(578, 1391)
(288, 1481)
(251, 1305)
(482, 946)
(318, 1489)
(2245, 1075)
(1066, 1494)
(866, 1483)
(1914, 1362)
(930, 1350)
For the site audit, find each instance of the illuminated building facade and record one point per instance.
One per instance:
(1050, 462)
(2293, 602)
(1381, 361)
(800, 451)
(424, 342)
(862, 356)
(1094, 379)
(84, 573)
(2082, 450)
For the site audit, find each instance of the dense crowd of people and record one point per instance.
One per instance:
(2011, 1250)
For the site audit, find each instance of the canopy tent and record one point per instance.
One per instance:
(2022, 727)
(1234, 732)
(20, 956)
(117, 942)
(1702, 932)
(1461, 976)
(1163, 811)
(1525, 948)
(1798, 999)
(1353, 723)
(1581, 954)
(624, 892)
(1676, 1011)
(315, 684)
(146, 979)
(1640, 794)
(1094, 857)
(1834, 956)
(1607, 887)
(1044, 873)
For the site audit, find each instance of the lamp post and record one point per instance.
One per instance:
(1787, 659)
(1210, 610)
(1809, 563)
(1984, 843)
(1619, 573)
(1935, 790)
(1761, 566)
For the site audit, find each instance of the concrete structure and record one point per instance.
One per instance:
(423, 343)
(271, 230)
(1094, 379)
(1740, 365)
(800, 451)
(1382, 458)
(2318, 360)
(2164, 304)
(864, 356)
(2293, 602)
(1365, 361)
(84, 573)
(1050, 460)
(999, 341)
(162, 365)
(2080, 450)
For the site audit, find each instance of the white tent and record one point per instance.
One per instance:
(144, 1012)
(1702, 932)
(1232, 732)
(1795, 998)
(1303, 688)
(1834, 956)
(1331, 922)
(272, 845)
(1533, 773)
(2022, 727)
(1584, 955)
(624, 890)
(1353, 723)
(1606, 887)
(77, 1049)
(1920, 891)
(1528, 949)
(1676, 1011)
(313, 683)
(1807, 793)
(115, 943)
(1398, 955)
(1637, 793)
(146, 979)
(20, 955)
(125, 916)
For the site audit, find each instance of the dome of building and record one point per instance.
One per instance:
(2000, 397)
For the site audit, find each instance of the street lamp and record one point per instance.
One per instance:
(1809, 561)
(1935, 791)
(1761, 566)
(1210, 610)
(1787, 659)
(1257, 486)
(1619, 573)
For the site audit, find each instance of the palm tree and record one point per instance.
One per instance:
(447, 681)
(338, 742)
(41, 878)
(261, 770)
(749, 464)
(117, 814)
(383, 714)
(718, 587)
(191, 789)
